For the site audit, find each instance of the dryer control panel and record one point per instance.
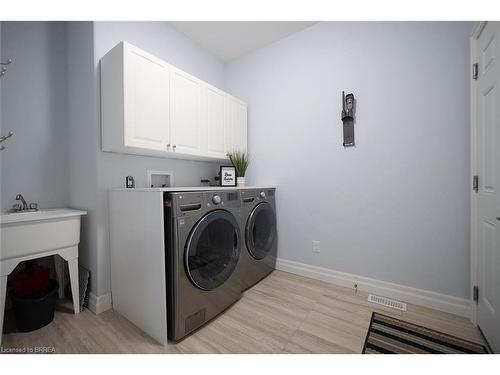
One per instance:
(190, 203)
(228, 199)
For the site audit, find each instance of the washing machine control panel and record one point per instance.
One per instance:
(216, 199)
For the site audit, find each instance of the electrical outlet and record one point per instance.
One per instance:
(316, 247)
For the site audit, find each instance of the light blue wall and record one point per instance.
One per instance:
(83, 139)
(50, 99)
(1, 128)
(33, 106)
(395, 207)
(161, 40)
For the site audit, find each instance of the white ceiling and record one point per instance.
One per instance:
(230, 40)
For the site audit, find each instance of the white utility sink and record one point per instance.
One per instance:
(27, 233)
(37, 234)
(16, 216)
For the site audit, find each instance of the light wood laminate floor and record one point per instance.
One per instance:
(284, 313)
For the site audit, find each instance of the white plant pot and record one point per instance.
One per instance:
(240, 181)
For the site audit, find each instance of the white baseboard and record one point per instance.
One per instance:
(425, 298)
(99, 304)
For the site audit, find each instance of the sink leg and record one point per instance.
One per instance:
(75, 288)
(3, 291)
(59, 265)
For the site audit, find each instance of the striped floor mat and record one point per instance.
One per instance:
(388, 335)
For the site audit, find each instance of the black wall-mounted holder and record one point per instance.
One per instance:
(129, 182)
(348, 119)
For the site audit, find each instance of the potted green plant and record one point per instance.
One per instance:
(239, 160)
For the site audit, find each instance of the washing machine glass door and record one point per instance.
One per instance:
(260, 231)
(212, 249)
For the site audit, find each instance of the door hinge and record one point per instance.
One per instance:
(475, 294)
(475, 71)
(475, 183)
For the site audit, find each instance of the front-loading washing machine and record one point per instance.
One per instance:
(203, 246)
(258, 226)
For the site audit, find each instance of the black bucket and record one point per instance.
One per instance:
(35, 311)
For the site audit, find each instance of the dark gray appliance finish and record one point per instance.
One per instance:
(203, 247)
(258, 226)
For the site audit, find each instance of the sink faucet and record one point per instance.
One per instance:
(24, 207)
(19, 197)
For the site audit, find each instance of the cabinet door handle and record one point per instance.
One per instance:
(168, 145)
(174, 146)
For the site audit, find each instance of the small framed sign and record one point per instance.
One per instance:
(227, 176)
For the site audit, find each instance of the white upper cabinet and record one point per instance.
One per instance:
(236, 117)
(146, 101)
(135, 99)
(214, 114)
(185, 115)
(149, 107)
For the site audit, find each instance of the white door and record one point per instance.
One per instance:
(486, 94)
(146, 85)
(236, 124)
(214, 122)
(185, 116)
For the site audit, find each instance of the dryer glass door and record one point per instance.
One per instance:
(260, 231)
(212, 249)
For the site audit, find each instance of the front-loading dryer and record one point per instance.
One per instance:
(258, 225)
(203, 246)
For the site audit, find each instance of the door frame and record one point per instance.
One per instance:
(474, 270)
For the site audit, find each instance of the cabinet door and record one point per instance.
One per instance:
(146, 85)
(214, 115)
(185, 116)
(236, 127)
